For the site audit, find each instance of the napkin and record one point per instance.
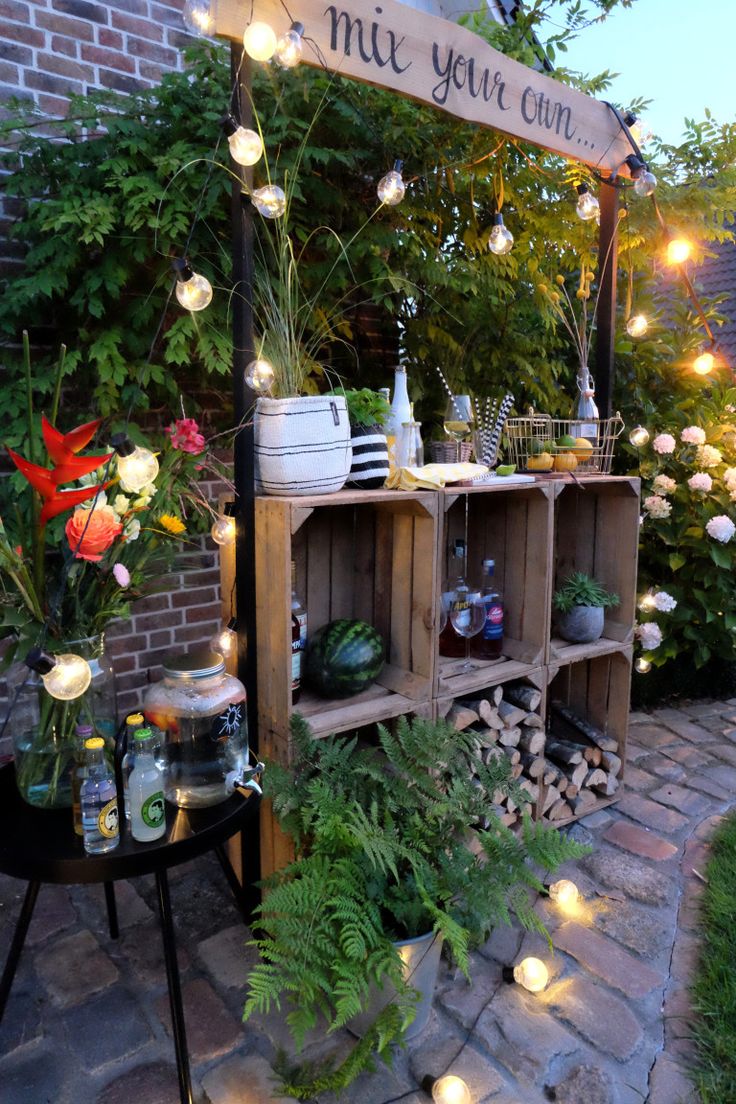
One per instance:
(432, 477)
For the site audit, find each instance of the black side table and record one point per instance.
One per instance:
(39, 845)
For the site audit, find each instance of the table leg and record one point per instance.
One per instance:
(174, 983)
(235, 886)
(112, 910)
(19, 938)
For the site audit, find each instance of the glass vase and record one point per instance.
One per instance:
(44, 730)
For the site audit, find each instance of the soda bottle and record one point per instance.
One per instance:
(489, 641)
(99, 801)
(146, 791)
(79, 773)
(133, 722)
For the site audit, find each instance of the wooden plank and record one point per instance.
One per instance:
(343, 581)
(401, 591)
(439, 63)
(364, 556)
(424, 599)
(273, 588)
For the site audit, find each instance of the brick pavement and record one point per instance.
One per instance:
(88, 1017)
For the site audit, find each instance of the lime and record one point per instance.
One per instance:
(536, 446)
(565, 442)
(506, 469)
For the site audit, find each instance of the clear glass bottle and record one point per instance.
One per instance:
(400, 413)
(79, 773)
(146, 791)
(133, 722)
(410, 451)
(99, 801)
(489, 641)
(451, 643)
(585, 412)
(298, 639)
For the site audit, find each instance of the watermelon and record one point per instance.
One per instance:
(343, 658)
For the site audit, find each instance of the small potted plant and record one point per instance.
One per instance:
(368, 412)
(580, 604)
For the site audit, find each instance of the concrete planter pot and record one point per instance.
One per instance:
(421, 958)
(582, 624)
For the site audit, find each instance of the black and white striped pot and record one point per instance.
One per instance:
(302, 445)
(370, 458)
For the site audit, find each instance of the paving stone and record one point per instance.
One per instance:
(503, 943)
(584, 1085)
(596, 820)
(726, 752)
(154, 1084)
(88, 1035)
(619, 871)
(241, 1080)
(652, 735)
(685, 958)
(440, 1055)
(685, 801)
(695, 858)
(638, 780)
(74, 968)
(211, 1030)
(383, 1084)
(227, 957)
(667, 713)
(142, 949)
(38, 1080)
(639, 841)
(650, 813)
(669, 1084)
(599, 1016)
(636, 718)
(664, 767)
(695, 733)
(522, 1035)
(463, 1002)
(707, 828)
(689, 757)
(706, 785)
(678, 1011)
(702, 708)
(723, 776)
(607, 960)
(639, 930)
(21, 1026)
(53, 913)
(132, 909)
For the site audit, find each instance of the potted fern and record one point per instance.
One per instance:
(368, 412)
(580, 605)
(394, 843)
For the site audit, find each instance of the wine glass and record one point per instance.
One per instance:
(467, 619)
(459, 419)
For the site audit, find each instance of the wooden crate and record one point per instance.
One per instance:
(596, 530)
(512, 526)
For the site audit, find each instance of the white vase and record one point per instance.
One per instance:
(302, 445)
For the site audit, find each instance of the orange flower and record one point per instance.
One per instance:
(99, 534)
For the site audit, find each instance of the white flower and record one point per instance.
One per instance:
(664, 443)
(100, 500)
(701, 481)
(708, 456)
(721, 528)
(693, 435)
(132, 529)
(664, 485)
(121, 504)
(729, 478)
(657, 507)
(664, 602)
(650, 635)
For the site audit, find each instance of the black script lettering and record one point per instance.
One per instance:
(497, 89)
(538, 108)
(353, 36)
(440, 90)
(461, 72)
(460, 67)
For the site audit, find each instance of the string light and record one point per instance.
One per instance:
(647, 602)
(223, 530)
(259, 41)
(501, 239)
(246, 146)
(644, 181)
(587, 206)
(259, 375)
(564, 893)
(531, 973)
(288, 51)
(448, 1089)
(637, 326)
(194, 292)
(269, 201)
(642, 666)
(704, 363)
(137, 466)
(65, 676)
(391, 187)
(198, 17)
(639, 436)
(226, 641)
(678, 250)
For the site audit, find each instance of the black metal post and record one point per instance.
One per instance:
(112, 910)
(178, 1027)
(606, 316)
(16, 946)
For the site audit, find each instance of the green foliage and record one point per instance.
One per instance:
(581, 590)
(392, 842)
(365, 407)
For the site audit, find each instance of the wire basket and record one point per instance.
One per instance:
(533, 438)
(445, 452)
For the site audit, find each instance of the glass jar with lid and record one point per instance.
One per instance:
(202, 711)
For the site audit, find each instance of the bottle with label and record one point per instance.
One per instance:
(79, 773)
(489, 641)
(99, 801)
(133, 723)
(400, 413)
(585, 411)
(298, 639)
(451, 643)
(146, 791)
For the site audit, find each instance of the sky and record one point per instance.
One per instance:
(681, 54)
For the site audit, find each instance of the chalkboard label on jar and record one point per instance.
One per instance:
(227, 723)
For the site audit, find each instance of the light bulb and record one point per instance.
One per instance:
(587, 206)
(68, 678)
(223, 531)
(637, 326)
(450, 1090)
(226, 641)
(501, 239)
(703, 364)
(269, 201)
(645, 183)
(193, 291)
(647, 602)
(642, 666)
(678, 250)
(289, 47)
(259, 375)
(259, 41)
(564, 893)
(198, 17)
(137, 469)
(639, 436)
(246, 146)
(391, 187)
(532, 974)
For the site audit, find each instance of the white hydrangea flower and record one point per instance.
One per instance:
(657, 507)
(650, 635)
(664, 443)
(729, 478)
(708, 456)
(664, 602)
(721, 528)
(701, 481)
(664, 485)
(693, 435)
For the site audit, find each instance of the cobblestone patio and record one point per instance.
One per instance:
(88, 1017)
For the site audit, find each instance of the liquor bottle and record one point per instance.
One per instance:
(79, 773)
(133, 722)
(452, 644)
(489, 641)
(585, 411)
(146, 791)
(298, 638)
(99, 801)
(400, 413)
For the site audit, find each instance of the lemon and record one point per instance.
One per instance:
(583, 448)
(541, 463)
(565, 461)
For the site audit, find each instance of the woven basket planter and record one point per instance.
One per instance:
(370, 458)
(302, 445)
(445, 452)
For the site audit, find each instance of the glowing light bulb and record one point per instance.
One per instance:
(223, 531)
(501, 239)
(678, 250)
(198, 17)
(259, 41)
(226, 641)
(193, 291)
(65, 676)
(532, 974)
(246, 146)
(450, 1090)
(587, 205)
(288, 51)
(564, 893)
(269, 201)
(391, 187)
(637, 326)
(647, 602)
(642, 666)
(639, 436)
(645, 183)
(704, 364)
(137, 467)
(259, 375)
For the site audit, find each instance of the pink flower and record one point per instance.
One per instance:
(664, 443)
(122, 575)
(185, 435)
(693, 435)
(701, 481)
